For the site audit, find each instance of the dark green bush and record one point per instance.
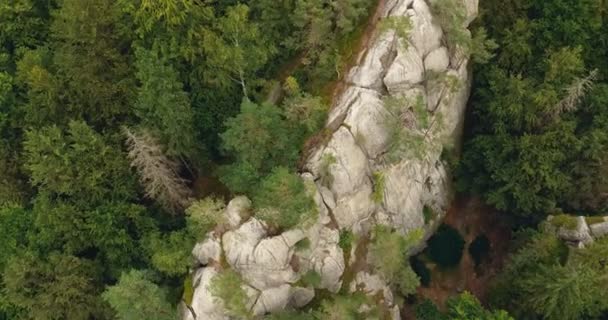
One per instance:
(479, 248)
(445, 247)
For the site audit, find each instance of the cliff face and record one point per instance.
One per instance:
(355, 183)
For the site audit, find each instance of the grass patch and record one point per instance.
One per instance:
(594, 220)
(379, 181)
(302, 245)
(188, 290)
(564, 221)
(446, 246)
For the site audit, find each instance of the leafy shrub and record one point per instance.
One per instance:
(303, 244)
(283, 200)
(445, 246)
(260, 139)
(311, 278)
(227, 287)
(405, 138)
(400, 24)
(388, 253)
(427, 310)
(136, 297)
(171, 253)
(203, 215)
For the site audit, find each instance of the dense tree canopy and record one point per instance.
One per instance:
(540, 131)
(109, 110)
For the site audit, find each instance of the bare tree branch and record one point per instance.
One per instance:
(158, 174)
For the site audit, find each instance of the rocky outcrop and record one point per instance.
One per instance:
(410, 70)
(578, 230)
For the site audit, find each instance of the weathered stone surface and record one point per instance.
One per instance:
(263, 262)
(203, 303)
(237, 210)
(437, 60)
(371, 284)
(367, 123)
(581, 234)
(351, 169)
(370, 73)
(358, 141)
(300, 296)
(599, 229)
(426, 34)
(406, 71)
(272, 300)
(208, 250)
(325, 257)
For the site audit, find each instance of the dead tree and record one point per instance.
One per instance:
(157, 173)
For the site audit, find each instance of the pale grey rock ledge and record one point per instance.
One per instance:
(270, 265)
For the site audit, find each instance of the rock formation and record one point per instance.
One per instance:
(408, 70)
(578, 231)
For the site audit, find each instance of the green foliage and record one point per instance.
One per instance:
(379, 183)
(564, 221)
(162, 104)
(445, 246)
(94, 77)
(388, 253)
(303, 244)
(77, 162)
(535, 147)
(74, 73)
(407, 124)
(452, 17)
(14, 224)
(543, 278)
(203, 215)
(283, 200)
(565, 292)
(260, 139)
(61, 287)
(135, 297)
(347, 307)
(400, 24)
(320, 26)
(311, 279)
(307, 111)
(461, 307)
(171, 253)
(466, 306)
(347, 238)
(226, 287)
(290, 315)
(427, 310)
(235, 48)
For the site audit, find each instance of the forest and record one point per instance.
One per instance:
(126, 125)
